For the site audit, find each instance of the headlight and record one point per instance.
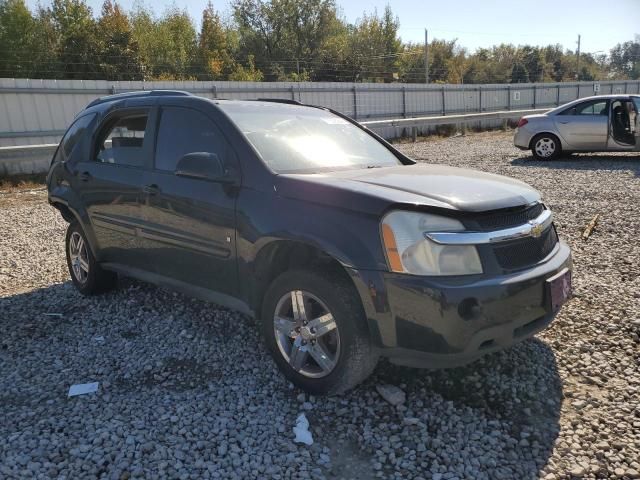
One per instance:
(408, 251)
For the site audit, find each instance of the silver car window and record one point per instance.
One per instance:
(588, 108)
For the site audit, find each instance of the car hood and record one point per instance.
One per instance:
(422, 185)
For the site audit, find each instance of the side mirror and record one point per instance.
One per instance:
(203, 166)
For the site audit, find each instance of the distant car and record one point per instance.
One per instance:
(340, 245)
(606, 123)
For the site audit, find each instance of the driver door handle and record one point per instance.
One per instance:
(564, 123)
(85, 176)
(152, 189)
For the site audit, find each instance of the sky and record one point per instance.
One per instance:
(478, 23)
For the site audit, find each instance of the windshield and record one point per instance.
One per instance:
(294, 139)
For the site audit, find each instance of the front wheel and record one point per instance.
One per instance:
(545, 147)
(314, 326)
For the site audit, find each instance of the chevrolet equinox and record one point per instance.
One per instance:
(344, 249)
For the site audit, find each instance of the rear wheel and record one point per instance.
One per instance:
(314, 326)
(546, 146)
(87, 275)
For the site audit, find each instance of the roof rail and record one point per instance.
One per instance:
(137, 94)
(279, 100)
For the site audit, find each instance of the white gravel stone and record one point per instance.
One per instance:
(391, 394)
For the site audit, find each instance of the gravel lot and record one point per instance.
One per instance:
(187, 390)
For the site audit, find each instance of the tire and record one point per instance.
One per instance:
(344, 349)
(87, 275)
(546, 146)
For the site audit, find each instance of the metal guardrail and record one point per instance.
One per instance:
(27, 148)
(26, 158)
(33, 133)
(393, 122)
(451, 119)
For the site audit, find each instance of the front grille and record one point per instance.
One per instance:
(507, 219)
(526, 251)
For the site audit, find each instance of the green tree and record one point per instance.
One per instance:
(45, 46)
(167, 46)
(558, 64)
(519, 73)
(17, 31)
(282, 34)
(249, 73)
(178, 34)
(76, 35)
(625, 60)
(533, 60)
(118, 49)
(373, 47)
(214, 55)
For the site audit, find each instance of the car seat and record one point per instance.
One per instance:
(620, 126)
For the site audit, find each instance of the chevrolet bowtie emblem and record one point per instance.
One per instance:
(536, 229)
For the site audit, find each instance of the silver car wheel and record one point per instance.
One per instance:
(306, 334)
(79, 257)
(545, 147)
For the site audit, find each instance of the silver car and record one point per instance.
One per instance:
(594, 124)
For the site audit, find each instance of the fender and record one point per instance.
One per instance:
(368, 284)
(68, 199)
(351, 238)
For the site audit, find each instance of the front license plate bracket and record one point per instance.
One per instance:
(559, 289)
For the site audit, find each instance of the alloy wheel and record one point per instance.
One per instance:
(306, 334)
(79, 257)
(545, 147)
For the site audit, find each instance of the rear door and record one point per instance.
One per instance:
(190, 223)
(585, 126)
(109, 182)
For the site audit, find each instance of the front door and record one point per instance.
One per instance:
(190, 222)
(110, 180)
(585, 125)
(635, 121)
(622, 128)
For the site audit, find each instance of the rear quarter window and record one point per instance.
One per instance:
(74, 134)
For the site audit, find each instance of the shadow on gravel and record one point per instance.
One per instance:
(519, 387)
(584, 162)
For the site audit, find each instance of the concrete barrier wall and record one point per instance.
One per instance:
(37, 112)
(25, 160)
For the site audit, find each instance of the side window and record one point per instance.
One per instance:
(72, 137)
(183, 131)
(122, 140)
(592, 108)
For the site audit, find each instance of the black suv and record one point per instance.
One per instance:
(342, 247)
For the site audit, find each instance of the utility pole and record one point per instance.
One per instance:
(578, 61)
(426, 56)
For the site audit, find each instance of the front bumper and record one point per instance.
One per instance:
(447, 322)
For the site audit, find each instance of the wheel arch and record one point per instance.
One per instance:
(70, 215)
(563, 144)
(280, 255)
